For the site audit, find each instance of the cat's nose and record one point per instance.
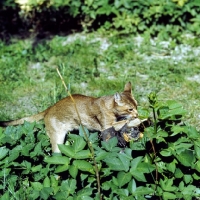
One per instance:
(135, 115)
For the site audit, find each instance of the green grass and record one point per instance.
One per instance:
(97, 65)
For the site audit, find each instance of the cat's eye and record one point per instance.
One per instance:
(130, 110)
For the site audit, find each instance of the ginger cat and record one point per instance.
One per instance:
(95, 113)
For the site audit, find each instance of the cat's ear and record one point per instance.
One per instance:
(128, 87)
(118, 99)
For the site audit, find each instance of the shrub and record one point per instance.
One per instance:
(157, 17)
(164, 163)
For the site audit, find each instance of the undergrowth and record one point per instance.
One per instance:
(164, 164)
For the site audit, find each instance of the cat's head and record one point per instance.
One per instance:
(125, 104)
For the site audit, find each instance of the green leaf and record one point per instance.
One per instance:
(100, 155)
(197, 165)
(13, 154)
(58, 160)
(73, 171)
(78, 144)
(36, 168)
(83, 154)
(83, 166)
(122, 192)
(178, 173)
(123, 178)
(172, 166)
(197, 149)
(115, 181)
(45, 193)
(67, 150)
(4, 172)
(186, 158)
(47, 182)
(106, 185)
(37, 186)
(68, 186)
(132, 186)
(62, 168)
(110, 144)
(177, 129)
(171, 110)
(137, 145)
(187, 178)
(168, 195)
(145, 167)
(125, 160)
(143, 190)
(3, 152)
(83, 131)
(54, 183)
(93, 138)
(85, 192)
(135, 162)
(139, 176)
(167, 185)
(114, 163)
(192, 132)
(166, 152)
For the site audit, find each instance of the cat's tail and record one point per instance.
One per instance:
(32, 118)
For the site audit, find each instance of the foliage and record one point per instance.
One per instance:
(157, 17)
(165, 163)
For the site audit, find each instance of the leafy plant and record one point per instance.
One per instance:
(164, 163)
(158, 17)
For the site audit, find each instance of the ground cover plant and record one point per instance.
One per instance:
(164, 164)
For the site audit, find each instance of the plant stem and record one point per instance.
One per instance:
(87, 139)
(155, 121)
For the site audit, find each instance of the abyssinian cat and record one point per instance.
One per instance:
(95, 114)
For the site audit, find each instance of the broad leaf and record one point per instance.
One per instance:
(125, 160)
(115, 164)
(138, 175)
(197, 165)
(135, 162)
(83, 154)
(110, 144)
(123, 178)
(67, 150)
(145, 167)
(100, 155)
(73, 171)
(186, 158)
(78, 144)
(62, 168)
(36, 168)
(68, 186)
(169, 195)
(83, 166)
(132, 186)
(3, 152)
(85, 192)
(59, 160)
(37, 186)
(47, 182)
(143, 190)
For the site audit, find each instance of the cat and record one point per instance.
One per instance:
(96, 114)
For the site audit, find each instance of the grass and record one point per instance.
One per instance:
(97, 65)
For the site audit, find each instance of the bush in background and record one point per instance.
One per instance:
(157, 17)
